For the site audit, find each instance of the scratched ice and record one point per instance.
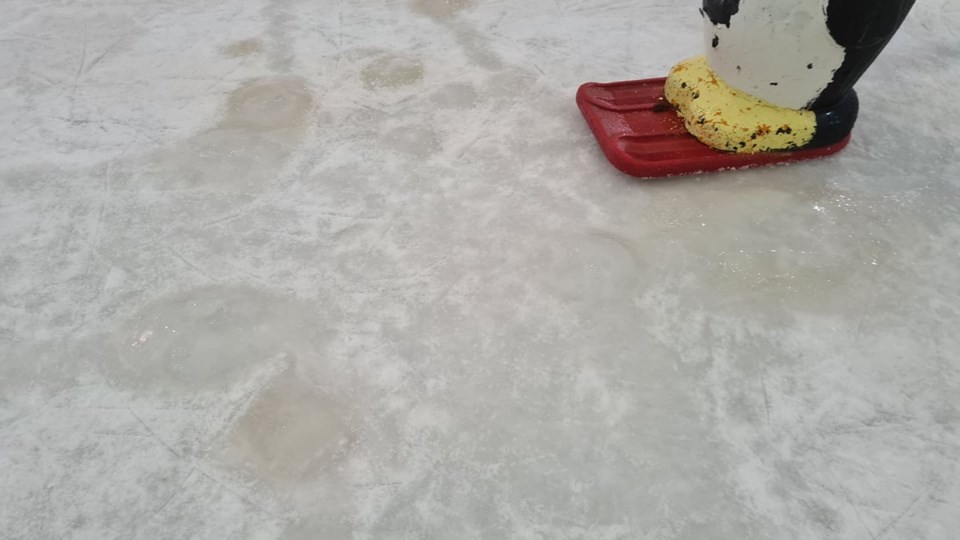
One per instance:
(290, 269)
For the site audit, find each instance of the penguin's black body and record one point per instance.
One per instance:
(863, 28)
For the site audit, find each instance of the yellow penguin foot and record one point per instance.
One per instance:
(725, 118)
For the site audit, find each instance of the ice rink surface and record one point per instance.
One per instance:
(320, 269)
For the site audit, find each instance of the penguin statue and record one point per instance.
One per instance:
(776, 84)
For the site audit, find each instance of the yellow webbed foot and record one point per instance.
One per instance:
(727, 119)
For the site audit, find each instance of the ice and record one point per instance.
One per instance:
(316, 269)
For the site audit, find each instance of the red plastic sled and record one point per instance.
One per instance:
(642, 135)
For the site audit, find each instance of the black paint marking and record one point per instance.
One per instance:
(809, 66)
(716, 41)
(774, 84)
(738, 68)
(720, 11)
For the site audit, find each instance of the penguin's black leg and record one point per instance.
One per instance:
(863, 28)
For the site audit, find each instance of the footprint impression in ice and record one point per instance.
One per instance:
(391, 71)
(439, 9)
(244, 47)
(264, 121)
(291, 431)
(212, 338)
(209, 338)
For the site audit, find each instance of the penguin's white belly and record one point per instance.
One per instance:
(778, 50)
